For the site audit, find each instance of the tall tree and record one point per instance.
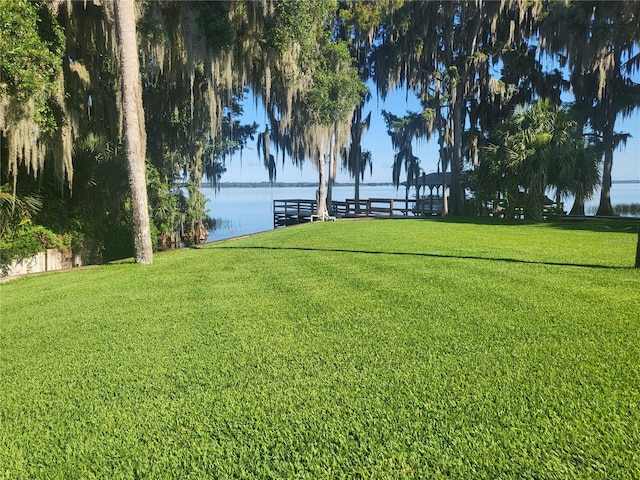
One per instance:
(357, 25)
(307, 82)
(403, 132)
(189, 98)
(448, 46)
(602, 53)
(134, 131)
(355, 159)
(337, 90)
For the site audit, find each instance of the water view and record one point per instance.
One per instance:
(241, 211)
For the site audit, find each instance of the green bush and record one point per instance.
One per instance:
(27, 241)
(627, 209)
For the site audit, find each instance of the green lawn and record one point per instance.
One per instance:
(354, 349)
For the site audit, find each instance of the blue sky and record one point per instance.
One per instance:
(626, 163)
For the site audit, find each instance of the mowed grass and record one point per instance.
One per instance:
(354, 349)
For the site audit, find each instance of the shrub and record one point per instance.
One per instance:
(27, 241)
(627, 209)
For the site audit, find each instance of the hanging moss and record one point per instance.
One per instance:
(31, 43)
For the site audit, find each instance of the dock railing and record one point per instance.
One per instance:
(387, 207)
(292, 212)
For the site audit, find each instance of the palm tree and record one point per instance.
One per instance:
(579, 175)
(584, 183)
(134, 130)
(356, 160)
(403, 131)
(540, 146)
(15, 209)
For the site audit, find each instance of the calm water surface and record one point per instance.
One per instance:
(241, 211)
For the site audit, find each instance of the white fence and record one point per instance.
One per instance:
(49, 260)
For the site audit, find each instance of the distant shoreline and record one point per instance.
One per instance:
(313, 184)
(290, 184)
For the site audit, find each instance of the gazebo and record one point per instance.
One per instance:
(433, 180)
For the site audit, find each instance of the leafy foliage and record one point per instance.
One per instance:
(307, 62)
(538, 146)
(337, 88)
(31, 45)
(163, 203)
(28, 240)
(298, 22)
(16, 210)
(19, 237)
(213, 20)
(233, 138)
(403, 132)
(31, 97)
(96, 212)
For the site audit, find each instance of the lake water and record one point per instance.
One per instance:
(241, 211)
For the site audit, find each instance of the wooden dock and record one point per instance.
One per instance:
(292, 212)
(296, 211)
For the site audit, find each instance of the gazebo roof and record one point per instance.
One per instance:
(430, 180)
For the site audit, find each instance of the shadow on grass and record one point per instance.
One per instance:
(594, 224)
(429, 255)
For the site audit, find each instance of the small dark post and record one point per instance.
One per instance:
(638, 249)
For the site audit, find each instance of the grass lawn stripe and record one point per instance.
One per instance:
(290, 362)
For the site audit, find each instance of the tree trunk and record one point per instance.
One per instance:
(357, 193)
(457, 192)
(445, 197)
(321, 194)
(333, 158)
(134, 128)
(534, 202)
(355, 154)
(605, 208)
(578, 207)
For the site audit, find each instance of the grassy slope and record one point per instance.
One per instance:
(461, 350)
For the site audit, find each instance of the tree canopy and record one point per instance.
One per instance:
(31, 95)
(474, 65)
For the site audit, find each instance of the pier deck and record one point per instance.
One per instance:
(296, 211)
